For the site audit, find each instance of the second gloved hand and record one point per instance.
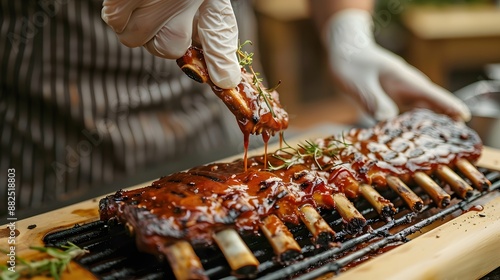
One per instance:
(382, 82)
(166, 28)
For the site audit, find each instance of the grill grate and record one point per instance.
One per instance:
(113, 254)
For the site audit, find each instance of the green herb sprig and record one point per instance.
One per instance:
(246, 60)
(308, 149)
(53, 266)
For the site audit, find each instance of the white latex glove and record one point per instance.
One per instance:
(166, 28)
(382, 82)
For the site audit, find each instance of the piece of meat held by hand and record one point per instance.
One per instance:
(256, 109)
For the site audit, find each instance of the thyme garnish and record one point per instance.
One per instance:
(245, 60)
(292, 156)
(53, 266)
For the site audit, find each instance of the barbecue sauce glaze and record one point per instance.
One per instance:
(194, 204)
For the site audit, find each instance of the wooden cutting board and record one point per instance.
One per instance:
(468, 245)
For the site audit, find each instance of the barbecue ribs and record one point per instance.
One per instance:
(194, 204)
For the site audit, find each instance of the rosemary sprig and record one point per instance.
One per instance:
(293, 156)
(245, 60)
(53, 266)
(244, 57)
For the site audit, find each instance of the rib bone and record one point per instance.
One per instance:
(281, 239)
(353, 219)
(477, 178)
(411, 199)
(383, 206)
(438, 195)
(321, 231)
(238, 255)
(184, 262)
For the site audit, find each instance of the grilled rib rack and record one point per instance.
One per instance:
(113, 254)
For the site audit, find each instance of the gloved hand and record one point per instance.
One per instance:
(166, 28)
(382, 82)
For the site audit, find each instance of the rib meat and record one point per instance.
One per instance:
(194, 204)
(256, 111)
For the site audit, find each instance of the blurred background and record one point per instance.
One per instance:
(455, 43)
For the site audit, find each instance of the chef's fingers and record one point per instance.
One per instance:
(410, 88)
(117, 13)
(218, 34)
(173, 39)
(164, 27)
(380, 105)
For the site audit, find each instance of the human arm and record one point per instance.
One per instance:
(382, 82)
